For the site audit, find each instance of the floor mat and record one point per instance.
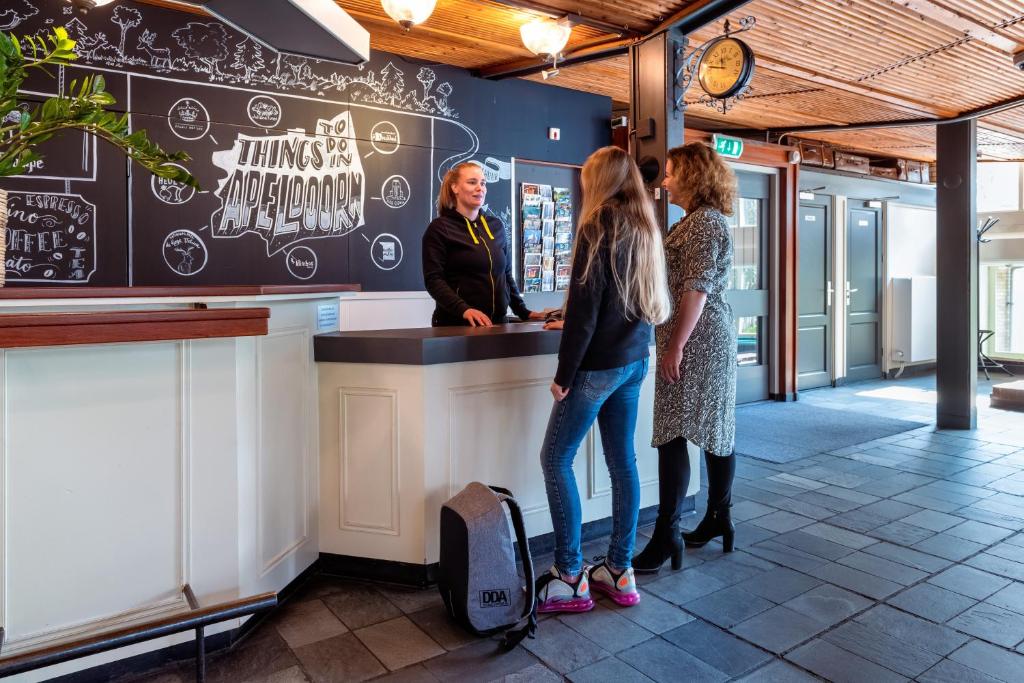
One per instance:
(781, 432)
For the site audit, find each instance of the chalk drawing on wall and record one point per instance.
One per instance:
(171, 192)
(189, 119)
(395, 192)
(301, 262)
(264, 111)
(185, 252)
(385, 138)
(386, 251)
(51, 237)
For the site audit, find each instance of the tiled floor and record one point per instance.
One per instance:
(888, 561)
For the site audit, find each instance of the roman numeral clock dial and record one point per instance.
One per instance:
(725, 67)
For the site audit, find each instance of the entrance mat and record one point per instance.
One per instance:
(781, 432)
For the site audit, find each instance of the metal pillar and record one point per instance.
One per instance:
(655, 123)
(957, 275)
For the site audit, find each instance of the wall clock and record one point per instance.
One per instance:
(726, 67)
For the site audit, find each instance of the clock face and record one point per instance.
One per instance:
(725, 67)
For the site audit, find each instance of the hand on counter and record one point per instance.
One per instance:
(558, 392)
(554, 325)
(476, 318)
(537, 315)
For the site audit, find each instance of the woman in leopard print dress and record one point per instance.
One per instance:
(695, 392)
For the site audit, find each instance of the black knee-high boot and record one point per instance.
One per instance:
(673, 480)
(717, 520)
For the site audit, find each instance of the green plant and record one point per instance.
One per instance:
(82, 107)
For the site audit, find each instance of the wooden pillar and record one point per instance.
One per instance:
(957, 275)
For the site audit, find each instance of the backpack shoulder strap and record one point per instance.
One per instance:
(513, 638)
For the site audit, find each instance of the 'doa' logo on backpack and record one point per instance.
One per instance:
(495, 598)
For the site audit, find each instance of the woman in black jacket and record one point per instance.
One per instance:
(466, 264)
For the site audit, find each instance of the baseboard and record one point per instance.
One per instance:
(911, 371)
(387, 571)
(785, 397)
(182, 652)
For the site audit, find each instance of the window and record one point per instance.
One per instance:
(1005, 310)
(999, 185)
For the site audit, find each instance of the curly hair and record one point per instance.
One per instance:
(707, 178)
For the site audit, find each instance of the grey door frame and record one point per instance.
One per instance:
(873, 371)
(753, 381)
(826, 320)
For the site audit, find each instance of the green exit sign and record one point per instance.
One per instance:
(730, 148)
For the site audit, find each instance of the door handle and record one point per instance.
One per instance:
(829, 290)
(850, 291)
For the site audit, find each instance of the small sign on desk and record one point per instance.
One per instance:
(327, 317)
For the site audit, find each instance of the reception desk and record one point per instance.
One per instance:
(409, 417)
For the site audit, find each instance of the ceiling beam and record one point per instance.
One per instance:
(388, 26)
(697, 14)
(940, 14)
(580, 19)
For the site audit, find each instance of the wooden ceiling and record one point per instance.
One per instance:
(819, 62)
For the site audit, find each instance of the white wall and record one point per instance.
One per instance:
(910, 246)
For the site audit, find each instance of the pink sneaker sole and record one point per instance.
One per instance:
(574, 605)
(622, 599)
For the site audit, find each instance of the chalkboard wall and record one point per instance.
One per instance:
(310, 172)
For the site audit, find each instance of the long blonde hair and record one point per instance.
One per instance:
(446, 196)
(616, 208)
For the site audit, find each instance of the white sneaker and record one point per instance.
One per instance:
(619, 586)
(554, 594)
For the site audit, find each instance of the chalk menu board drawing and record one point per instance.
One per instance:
(51, 238)
(72, 161)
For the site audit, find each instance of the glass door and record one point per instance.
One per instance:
(748, 284)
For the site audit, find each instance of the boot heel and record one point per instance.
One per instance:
(677, 560)
(728, 539)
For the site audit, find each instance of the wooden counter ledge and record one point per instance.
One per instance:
(64, 329)
(435, 345)
(18, 293)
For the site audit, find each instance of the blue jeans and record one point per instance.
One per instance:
(610, 396)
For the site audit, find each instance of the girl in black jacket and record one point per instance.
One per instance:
(466, 264)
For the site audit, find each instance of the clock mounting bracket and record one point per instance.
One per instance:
(687, 63)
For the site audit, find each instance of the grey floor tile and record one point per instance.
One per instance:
(886, 569)
(731, 568)
(664, 662)
(850, 539)
(359, 605)
(910, 558)
(912, 630)
(609, 629)
(263, 653)
(948, 671)
(882, 649)
(717, 648)
(833, 663)
(779, 629)
(814, 545)
(949, 547)
(857, 581)
(441, 627)
(932, 520)
(994, 624)
(417, 673)
(853, 495)
(969, 581)
(685, 586)
(901, 533)
(833, 503)
(653, 613)
(778, 672)
(749, 509)
(306, 622)
(991, 660)
(998, 565)
(932, 602)
(728, 606)
(782, 521)
(562, 648)
(411, 600)
(398, 643)
(342, 658)
(1007, 551)
(786, 556)
(1011, 598)
(779, 584)
(979, 532)
(747, 534)
(610, 669)
(537, 673)
(828, 604)
(891, 510)
(485, 660)
(858, 520)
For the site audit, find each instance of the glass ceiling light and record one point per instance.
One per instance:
(545, 37)
(408, 13)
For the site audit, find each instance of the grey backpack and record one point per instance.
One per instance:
(477, 573)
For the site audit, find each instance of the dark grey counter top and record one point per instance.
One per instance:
(435, 345)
